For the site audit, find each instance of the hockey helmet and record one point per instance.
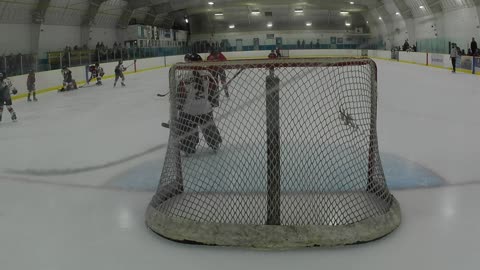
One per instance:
(196, 58)
(97, 64)
(187, 57)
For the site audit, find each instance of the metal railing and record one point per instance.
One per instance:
(21, 64)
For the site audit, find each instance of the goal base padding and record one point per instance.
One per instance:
(283, 236)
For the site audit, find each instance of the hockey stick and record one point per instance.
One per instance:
(163, 95)
(225, 86)
(166, 125)
(134, 61)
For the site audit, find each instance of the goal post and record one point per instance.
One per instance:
(298, 165)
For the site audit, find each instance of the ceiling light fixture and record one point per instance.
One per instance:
(298, 10)
(379, 18)
(186, 20)
(218, 14)
(397, 13)
(269, 24)
(255, 12)
(308, 24)
(347, 24)
(422, 7)
(211, 3)
(231, 26)
(344, 13)
(352, 3)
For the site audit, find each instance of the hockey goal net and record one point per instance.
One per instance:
(298, 164)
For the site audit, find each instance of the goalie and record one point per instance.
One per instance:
(195, 110)
(96, 72)
(5, 99)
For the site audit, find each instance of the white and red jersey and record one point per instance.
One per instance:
(193, 91)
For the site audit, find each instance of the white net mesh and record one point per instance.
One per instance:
(259, 147)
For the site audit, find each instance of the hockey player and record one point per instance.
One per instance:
(96, 73)
(31, 86)
(119, 69)
(195, 110)
(279, 54)
(272, 55)
(5, 99)
(68, 82)
(219, 74)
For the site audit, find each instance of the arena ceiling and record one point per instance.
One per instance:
(322, 14)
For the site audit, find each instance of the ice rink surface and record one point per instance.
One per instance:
(79, 168)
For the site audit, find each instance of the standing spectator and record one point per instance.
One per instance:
(406, 46)
(453, 56)
(473, 46)
(298, 44)
(31, 86)
(414, 48)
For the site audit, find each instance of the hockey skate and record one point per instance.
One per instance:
(29, 100)
(35, 99)
(14, 117)
(123, 84)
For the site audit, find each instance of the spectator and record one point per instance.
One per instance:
(414, 47)
(406, 46)
(298, 44)
(473, 46)
(303, 44)
(470, 52)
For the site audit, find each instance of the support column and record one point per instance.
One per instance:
(273, 148)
